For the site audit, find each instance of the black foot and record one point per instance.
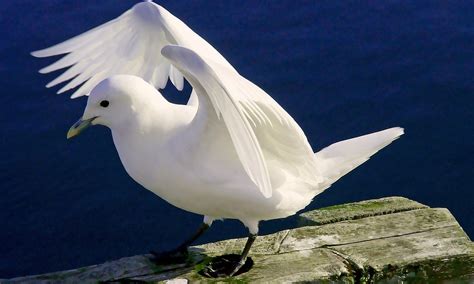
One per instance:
(226, 266)
(170, 257)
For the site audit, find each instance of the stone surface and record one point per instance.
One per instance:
(390, 240)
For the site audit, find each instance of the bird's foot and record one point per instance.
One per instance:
(170, 257)
(226, 266)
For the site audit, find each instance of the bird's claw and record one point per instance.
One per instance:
(226, 266)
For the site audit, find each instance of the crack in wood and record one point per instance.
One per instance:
(355, 270)
(282, 240)
(389, 237)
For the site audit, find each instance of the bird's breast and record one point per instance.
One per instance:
(205, 179)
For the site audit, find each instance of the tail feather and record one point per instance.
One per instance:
(338, 159)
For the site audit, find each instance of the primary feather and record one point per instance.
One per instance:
(129, 44)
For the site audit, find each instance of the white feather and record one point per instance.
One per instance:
(338, 159)
(149, 42)
(129, 44)
(226, 99)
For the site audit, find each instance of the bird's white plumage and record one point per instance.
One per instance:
(129, 44)
(254, 142)
(338, 159)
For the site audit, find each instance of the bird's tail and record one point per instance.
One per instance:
(338, 159)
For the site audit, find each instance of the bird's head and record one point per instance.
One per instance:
(114, 103)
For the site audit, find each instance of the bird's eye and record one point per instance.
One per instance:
(104, 103)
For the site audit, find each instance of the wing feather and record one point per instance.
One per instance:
(131, 44)
(225, 99)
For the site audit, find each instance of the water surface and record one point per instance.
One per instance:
(341, 68)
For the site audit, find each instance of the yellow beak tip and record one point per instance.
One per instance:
(78, 127)
(69, 135)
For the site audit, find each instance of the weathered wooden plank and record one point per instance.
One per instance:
(353, 231)
(269, 244)
(358, 210)
(297, 266)
(126, 267)
(434, 254)
(337, 233)
(390, 239)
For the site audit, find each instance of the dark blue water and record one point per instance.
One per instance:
(341, 68)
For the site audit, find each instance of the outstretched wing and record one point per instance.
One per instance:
(228, 104)
(129, 44)
(256, 123)
(260, 129)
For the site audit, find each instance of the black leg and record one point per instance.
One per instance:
(203, 228)
(245, 253)
(180, 253)
(231, 264)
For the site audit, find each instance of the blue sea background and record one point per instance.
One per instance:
(340, 68)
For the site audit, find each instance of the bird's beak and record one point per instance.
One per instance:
(79, 126)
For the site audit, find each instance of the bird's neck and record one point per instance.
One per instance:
(155, 123)
(141, 141)
(152, 115)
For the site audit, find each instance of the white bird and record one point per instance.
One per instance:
(231, 152)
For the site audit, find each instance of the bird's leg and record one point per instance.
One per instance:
(232, 264)
(180, 253)
(245, 253)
